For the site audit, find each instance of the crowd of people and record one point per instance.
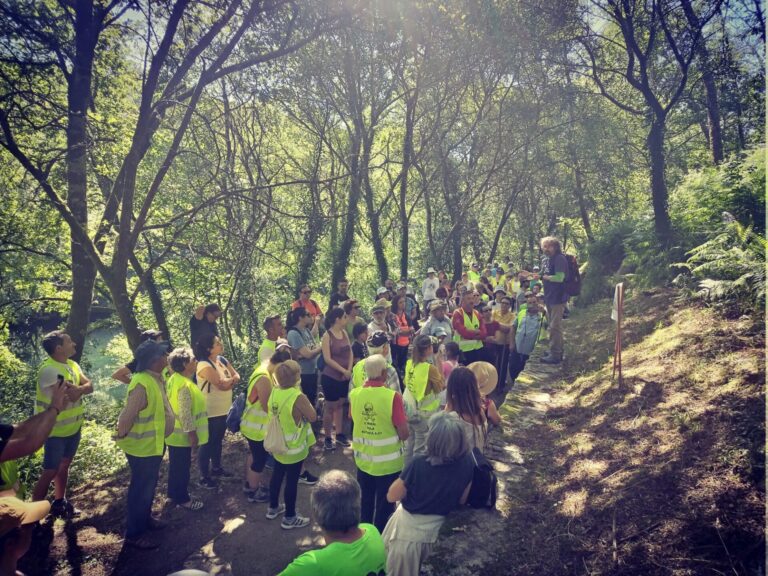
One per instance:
(406, 385)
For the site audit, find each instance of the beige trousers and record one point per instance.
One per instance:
(555, 320)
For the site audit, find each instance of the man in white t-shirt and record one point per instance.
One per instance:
(429, 287)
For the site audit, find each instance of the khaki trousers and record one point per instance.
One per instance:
(555, 320)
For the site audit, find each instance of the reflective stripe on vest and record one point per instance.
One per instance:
(298, 438)
(69, 420)
(178, 437)
(378, 449)
(358, 374)
(474, 324)
(146, 436)
(254, 422)
(416, 380)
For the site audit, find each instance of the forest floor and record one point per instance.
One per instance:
(663, 473)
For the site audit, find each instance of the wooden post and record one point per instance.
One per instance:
(617, 315)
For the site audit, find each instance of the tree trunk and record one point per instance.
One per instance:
(341, 261)
(659, 193)
(583, 205)
(122, 301)
(407, 154)
(710, 87)
(373, 215)
(78, 99)
(148, 281)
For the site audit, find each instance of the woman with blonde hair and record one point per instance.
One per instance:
(294, 413)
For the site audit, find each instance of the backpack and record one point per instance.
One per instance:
(274, 441)
(527, 334)
(573, 278)
(484, 488)
(235, 414)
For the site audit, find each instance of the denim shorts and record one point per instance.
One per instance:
(56, 449)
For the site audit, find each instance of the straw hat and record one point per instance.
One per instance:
(486, 375)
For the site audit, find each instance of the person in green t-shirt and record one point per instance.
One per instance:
(350, 547)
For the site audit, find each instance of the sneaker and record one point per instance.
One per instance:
(58, 509)
(273, 513)
(207, 483)
(341, 440)
(259, 496)
(328, 445)
(307, 478)
(294, 522)
(247, 488)
(70, 511)
(221, 473)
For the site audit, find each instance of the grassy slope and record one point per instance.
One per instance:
(663, 474)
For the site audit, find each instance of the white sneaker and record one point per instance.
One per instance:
(294, 522)
(273, 513)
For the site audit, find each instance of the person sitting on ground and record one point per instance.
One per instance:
(27, 438)
(424, 382)
(429, 488)
(146, 420)
(203, 321)
(190, 429)
(61, 446)
(487, 380)
(253, 424)
(380, 427)
(304, 301)
(498, 294)
(351, 547)
(306, 348)
(337, 353)
(389, 284)
(452, 354)
(495, 343)
(124, 373)
(379, 322)
(340, 296)
(295, 414)
(17, 522)
(215, 377)
(463, 398)
(352, 310)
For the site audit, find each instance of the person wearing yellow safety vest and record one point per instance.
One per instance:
(294, 413)
(142, 427)
(275, 331)
(61, 446)
(378, 343)
(423, 383)
(473, 274)
(253, 424)
(190, 430)
(27, 438)
(469, 330)
(124, 373)
(381, 427)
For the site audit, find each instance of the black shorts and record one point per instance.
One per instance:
(334, 389)
(258, 454)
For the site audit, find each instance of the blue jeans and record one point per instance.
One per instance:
(179, 462)
(141, 493)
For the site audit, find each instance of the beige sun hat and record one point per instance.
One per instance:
(486, 375)
(15, 513)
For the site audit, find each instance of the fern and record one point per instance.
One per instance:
(731, 267)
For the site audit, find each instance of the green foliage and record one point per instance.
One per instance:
(17, 387)
(606, 255)
(731, 268)
(737, 187)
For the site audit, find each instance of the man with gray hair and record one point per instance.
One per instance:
(555, 296)
(350, 547)
(380, 428)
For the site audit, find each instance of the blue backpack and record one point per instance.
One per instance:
(235, 414)
(527, 334)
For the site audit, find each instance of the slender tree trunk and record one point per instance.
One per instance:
(659, 193)
(148, 281)
(583, 212)
(78, 96)
(710, 87)
(373, 215)
(341, 261)
(124, 308)
(407, 155)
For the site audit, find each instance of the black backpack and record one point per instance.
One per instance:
(484, 488)
(573, 279)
